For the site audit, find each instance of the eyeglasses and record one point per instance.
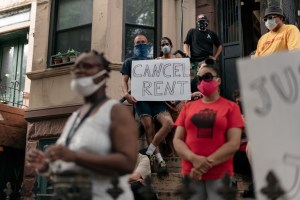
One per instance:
(165, 44)
(270, 17)
(207, 77)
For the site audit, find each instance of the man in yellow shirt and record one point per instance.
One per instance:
(281, 37)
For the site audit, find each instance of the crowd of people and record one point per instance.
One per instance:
(100, 139)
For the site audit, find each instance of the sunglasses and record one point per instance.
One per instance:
(207, 77)
(270, 17)
(165, 44)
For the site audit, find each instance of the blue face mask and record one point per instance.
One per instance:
(202, 25)
(141, 51)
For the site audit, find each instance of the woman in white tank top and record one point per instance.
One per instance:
(99, 141)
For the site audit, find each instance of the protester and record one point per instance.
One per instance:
(137, 178)
(281, 37)
(208, 134)
(95, 144)
(199, 43)
(148, 110)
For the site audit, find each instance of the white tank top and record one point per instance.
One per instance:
(93, 136)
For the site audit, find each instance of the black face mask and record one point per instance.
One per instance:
(239, 103)
(202, 25)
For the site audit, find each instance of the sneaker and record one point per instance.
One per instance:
(152, 158)
(162, 169)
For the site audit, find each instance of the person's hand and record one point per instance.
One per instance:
(36, 159)
(201, 164)
(135, 176)
(130, 99)
(214, 58)
(195, 174)
(196, 95)
(60, 152)
(186, 54)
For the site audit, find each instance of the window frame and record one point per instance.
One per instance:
(53, 32)
(157, 28)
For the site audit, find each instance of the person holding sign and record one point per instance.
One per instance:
(208, 134)
(148, 110)
(281, 37)
(95, 145)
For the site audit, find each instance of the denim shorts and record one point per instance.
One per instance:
(150, 108)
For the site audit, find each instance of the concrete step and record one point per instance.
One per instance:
(166, 184)
(167, 196)
(173, 164)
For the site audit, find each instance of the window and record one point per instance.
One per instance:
(142, 16)
(13, 59)
(71, 26)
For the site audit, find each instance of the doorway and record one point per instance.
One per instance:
(13, 58)
(239, 30)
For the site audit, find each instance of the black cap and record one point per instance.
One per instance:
(202, 17)
(273, 10)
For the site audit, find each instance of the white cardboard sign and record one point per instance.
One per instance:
(161, 80)
(270, 88)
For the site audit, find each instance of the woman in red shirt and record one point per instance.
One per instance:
(208, 134)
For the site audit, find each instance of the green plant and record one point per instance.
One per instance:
(58, 55)
(72, 52)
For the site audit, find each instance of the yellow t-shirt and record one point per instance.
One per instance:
(284, 39)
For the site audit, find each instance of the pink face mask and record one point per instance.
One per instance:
(207, 88)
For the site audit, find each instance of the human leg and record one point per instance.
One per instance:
(212, 187)
(201, 193)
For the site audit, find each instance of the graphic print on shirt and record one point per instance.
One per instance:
(204, 121)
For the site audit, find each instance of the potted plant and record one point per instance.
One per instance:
(65, 58)
(72, 54)
(57, 58)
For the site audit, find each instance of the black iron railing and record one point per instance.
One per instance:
(12, 95)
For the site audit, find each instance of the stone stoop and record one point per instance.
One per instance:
(165, 187)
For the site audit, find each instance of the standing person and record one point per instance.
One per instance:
(95, 142)
(281, 37)
(148, 110)
(199, 43)
(208, 134)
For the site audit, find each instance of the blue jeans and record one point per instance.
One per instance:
(207, 190)
(150, 108)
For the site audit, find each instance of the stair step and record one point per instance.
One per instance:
(173, 164)
(170, 183)
(168, 196)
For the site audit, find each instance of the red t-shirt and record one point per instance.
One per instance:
(206, 125)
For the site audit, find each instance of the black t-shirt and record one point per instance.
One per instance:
(201, 43)
(126, 67)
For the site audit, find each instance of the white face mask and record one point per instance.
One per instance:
(166, 49)
(85, 86)
(271, 24)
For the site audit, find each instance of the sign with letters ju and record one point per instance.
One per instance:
(270, 88)
(161, 80)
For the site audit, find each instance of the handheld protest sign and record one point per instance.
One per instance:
(161, 80)
(270, 87)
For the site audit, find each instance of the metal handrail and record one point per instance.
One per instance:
(11, 96)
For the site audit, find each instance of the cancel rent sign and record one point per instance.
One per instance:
(271, 94)
(161, 80)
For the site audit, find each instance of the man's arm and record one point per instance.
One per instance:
(218, 52)
(186, 49)
(124, 85)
